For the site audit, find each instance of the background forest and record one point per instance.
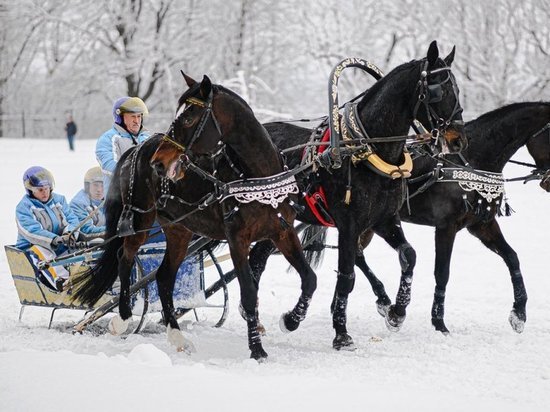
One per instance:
(61, 57)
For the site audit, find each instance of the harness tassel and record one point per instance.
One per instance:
(479, 208)
(467, 205)
(284, 223)
(347, 198)
(228, 217)
(498, 207)
(507, 208)
(297, 208)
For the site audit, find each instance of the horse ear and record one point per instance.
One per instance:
(206, 87)
(433, 53)
(190, 81)
(449, 59)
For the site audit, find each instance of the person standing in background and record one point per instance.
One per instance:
(70, 128)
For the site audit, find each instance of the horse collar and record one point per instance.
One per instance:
(352, 128)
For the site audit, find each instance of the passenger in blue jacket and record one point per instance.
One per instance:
(126, 132)
(88, 204)
(45, 223)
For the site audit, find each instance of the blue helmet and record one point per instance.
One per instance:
(128, 105)
(37, 176)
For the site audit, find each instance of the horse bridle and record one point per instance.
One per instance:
(433, 93)
(207, 114)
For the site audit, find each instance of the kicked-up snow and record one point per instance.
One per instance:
(483, 365)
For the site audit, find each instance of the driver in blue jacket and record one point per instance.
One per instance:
(45, 223)
(126, 132)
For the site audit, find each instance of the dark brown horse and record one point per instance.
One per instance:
(359, 196)
(215, 173)
(451, 206)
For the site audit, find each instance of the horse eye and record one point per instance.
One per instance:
(187, 121)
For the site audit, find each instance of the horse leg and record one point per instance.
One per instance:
(238, 248)
(257, 258)
(177, 240)
(491, 236)
(347, 245)
(383, 301)
(392, 233)
(444, 241)
(259, 254)
(119, 323)
(290, 247)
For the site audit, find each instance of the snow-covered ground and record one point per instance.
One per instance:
(482, 365)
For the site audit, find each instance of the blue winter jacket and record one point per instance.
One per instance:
(111, 145)
(38, 223)
(82, 205)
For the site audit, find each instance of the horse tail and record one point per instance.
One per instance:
(99, 278)
(313, 241)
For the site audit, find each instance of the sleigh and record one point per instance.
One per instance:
(201, 285)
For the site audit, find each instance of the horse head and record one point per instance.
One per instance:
(197, 129)
(437, 103)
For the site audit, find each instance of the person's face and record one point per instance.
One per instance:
(96, 190)
(42, 193)
(132, 121)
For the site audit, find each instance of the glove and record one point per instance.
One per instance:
(56, 241)
(71, 240)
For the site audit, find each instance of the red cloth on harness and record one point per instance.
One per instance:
(317, 201)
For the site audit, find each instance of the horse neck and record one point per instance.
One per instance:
(255, 151)
(386, 110)
(493, 141)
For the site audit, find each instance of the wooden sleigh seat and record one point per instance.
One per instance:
(32, 292)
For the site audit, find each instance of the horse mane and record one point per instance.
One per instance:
(222, 89)
(216, 88)
(504, 111)
(387, 81)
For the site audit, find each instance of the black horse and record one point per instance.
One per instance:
(359, 195)
(192, 179)
(493, 138)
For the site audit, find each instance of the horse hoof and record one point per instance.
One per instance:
(259, 354)
(343, 342)
(393, 320)
(117, 326)
(382, 308)
(517, 321)
(287, 323)
(439, 326)
(176, 338)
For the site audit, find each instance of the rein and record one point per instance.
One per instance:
(537, 173)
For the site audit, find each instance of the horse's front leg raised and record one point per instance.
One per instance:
(177, 240)
(347, 246)
(392, 233)
(289, 245)
(491, 236)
